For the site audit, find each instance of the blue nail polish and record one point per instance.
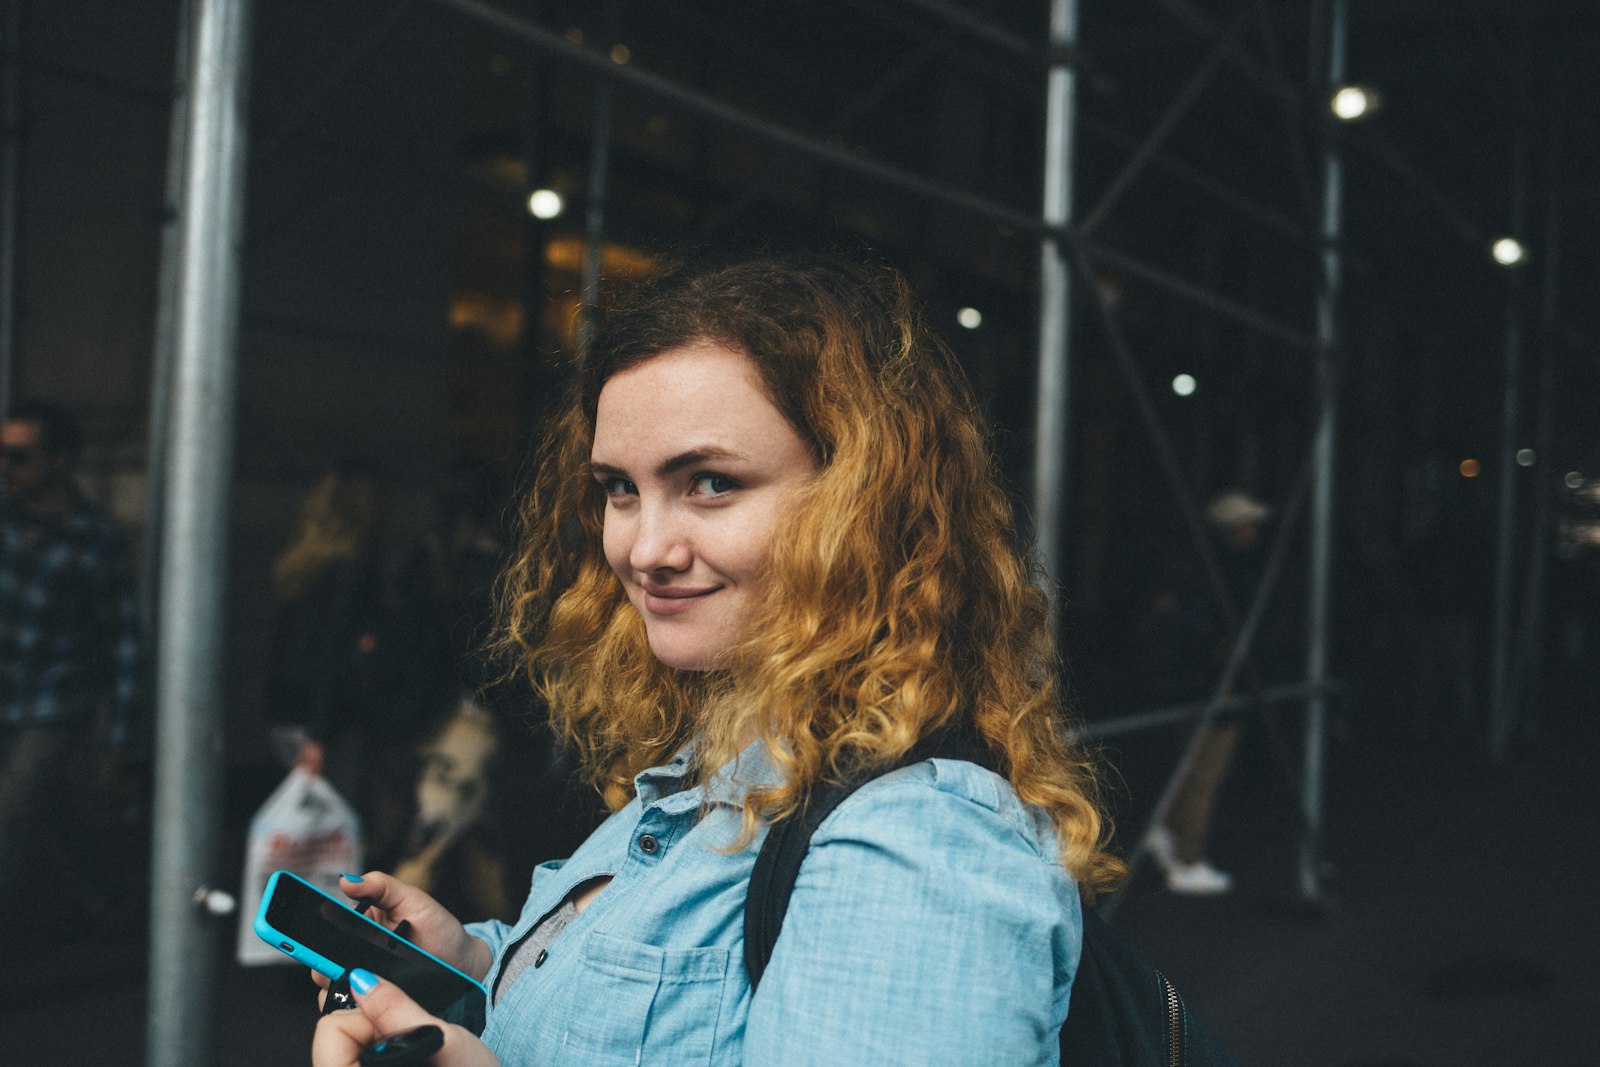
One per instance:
(353, 878)
(363, 981)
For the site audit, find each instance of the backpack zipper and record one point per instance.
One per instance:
(1174, 1021)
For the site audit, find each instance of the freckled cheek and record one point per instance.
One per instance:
(616, 544)
(746, 554)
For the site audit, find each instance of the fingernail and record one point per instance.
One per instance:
(363, 981)
(352, 878)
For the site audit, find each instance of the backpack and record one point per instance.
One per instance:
(1122, 1010)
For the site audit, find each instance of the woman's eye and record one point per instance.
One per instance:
(615, 486)
(712, 485)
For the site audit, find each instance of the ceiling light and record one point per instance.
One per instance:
(545, 204)
(1353, 102)
(1508, 252)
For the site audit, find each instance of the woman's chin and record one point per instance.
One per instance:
(681, 658)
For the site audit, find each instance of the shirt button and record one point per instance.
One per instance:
(538, 961)
(648, 844)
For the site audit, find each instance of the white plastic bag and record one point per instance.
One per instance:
(306, 827)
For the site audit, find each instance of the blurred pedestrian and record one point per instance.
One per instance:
(350, 679)
(71, 658)
(1178, 844)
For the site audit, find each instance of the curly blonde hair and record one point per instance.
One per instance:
(899, 599)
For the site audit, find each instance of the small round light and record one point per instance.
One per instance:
(620, 54)
(545, 204)
(575, 34)
(1184, 385)
(1526, 457)
(971, 318)
(1352, 102)
(1508, 252)
(1573, 480)
(1470, 468)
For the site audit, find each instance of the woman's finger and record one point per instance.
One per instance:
(386, 1010)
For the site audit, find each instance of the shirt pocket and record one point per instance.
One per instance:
(636, 1003)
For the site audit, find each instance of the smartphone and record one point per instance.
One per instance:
(330, 937)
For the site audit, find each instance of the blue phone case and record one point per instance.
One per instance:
(290, 945)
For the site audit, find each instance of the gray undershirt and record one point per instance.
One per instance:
(528, 951)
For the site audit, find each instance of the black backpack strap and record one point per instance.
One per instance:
(778, 863)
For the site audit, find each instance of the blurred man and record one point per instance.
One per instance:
(70, 650)
(1179, 845)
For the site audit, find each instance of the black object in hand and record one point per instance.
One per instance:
(339, 996)
(405, 1048)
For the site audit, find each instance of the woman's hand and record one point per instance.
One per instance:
(430, 926)
(383, 1010)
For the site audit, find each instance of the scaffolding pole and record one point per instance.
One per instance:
(162, 353)
(1319, 602)
(10, 177)
(1055, 283)
(1502, 701)
(186, 941)
(594, 221)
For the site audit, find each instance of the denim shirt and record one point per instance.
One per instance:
(930, 924)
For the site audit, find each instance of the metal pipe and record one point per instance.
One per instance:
(186, 942)
(1202, 25)
(10, 174)
(1052, 414)
(1176, 713)
(1202, 296)
(1502, 702)
(162, 353)
(1300, 233)
(1319, 599)
(594, 223)
(977, 28)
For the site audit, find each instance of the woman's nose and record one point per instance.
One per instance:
(660, 541)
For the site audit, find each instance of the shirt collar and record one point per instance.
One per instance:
(750, 769)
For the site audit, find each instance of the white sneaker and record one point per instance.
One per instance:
(1198, 879)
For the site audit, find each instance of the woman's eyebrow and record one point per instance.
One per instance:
(706, 454)
(697, 455)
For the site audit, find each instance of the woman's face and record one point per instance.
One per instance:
(698, 468)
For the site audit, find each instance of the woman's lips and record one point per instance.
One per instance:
(670, 600)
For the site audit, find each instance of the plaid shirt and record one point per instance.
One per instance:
(70, 639)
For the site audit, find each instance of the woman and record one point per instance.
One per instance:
(765, 547)
(341, 675)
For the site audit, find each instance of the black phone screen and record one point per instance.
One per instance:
(349, 940)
